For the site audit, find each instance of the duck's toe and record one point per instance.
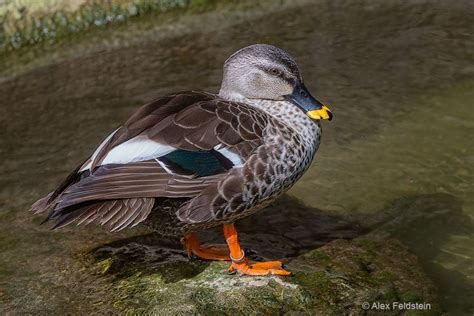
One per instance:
(206, 252)
(267, 265)
(260, 268)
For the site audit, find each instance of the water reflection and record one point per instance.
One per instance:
(429, 225)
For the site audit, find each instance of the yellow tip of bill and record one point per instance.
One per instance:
(322, 114)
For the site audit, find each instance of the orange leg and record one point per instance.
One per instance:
(209, 252)
(240, 262)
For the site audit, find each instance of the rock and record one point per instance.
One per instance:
(336, 278)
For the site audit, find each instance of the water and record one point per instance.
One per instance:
(398, 76)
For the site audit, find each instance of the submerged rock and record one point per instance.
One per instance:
(336, 278)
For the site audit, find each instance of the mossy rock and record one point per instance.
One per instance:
(331, 280)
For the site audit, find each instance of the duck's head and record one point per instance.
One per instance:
(267, 72)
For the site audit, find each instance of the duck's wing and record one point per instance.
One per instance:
(176, 146)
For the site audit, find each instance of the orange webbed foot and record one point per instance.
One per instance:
(240, 263)
(207, 252)
(230, 253)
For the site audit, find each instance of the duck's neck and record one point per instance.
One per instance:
(285, 112)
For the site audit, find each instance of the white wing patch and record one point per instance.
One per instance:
(139, 148)
(236, 159)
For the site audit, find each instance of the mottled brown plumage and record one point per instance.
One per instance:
(193, 160)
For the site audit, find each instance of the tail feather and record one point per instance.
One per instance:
(42, 204)
(115, 215)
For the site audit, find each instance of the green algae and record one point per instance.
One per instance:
(105, 264)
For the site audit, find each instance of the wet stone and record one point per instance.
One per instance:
(152, 275)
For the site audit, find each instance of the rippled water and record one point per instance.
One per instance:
(398, 76)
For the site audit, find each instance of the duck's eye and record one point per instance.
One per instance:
(275, 71)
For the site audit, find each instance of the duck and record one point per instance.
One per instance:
(189, 161)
